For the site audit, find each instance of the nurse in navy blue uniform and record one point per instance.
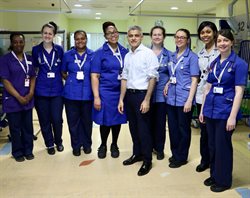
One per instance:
(77, 93)
(106, 69)
(159, 106)
(47, 58)
(18, 77)
(183, 71)
(223, 95)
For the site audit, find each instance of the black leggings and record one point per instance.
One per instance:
(105, 133)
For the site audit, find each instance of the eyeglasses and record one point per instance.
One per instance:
(109, 34)
(180, 37)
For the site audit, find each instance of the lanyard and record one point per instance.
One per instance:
(161, 59)
(26, 62)
(82, 63)
(222, 72)
(117, 55)
(174, 68)
(52, 61)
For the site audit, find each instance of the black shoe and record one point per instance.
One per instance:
(177, 164)
(201, 167)
(51, 151)
(209, 181)
(160, 155)
(216, 188)
(19, 159)
(133, 159)
(114, 151)
(76, 152)
(145, 168)
(171, 159)
(60, 148)
(29, 157)
(87, 150)
(102, 151)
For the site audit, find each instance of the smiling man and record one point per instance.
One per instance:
(138, 81)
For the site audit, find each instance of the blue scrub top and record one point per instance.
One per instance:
(178, 93)
(75, 89)
(11, 70)
(163, 60)
(48, 86)
(219, 106)
(108, 66)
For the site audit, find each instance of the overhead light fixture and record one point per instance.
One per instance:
(189, 1)
(98, 18)
(78, 5)
(174, 8)
(98, 13)
(84, 0)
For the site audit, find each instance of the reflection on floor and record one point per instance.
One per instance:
(66, 176)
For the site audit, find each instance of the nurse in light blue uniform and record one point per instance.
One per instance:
(47, 58)
(183, 71)
(159, 106)
(106, 69)
(207, 33)
(223, 95)
(77, 93)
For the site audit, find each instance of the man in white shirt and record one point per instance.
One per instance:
(138, 80)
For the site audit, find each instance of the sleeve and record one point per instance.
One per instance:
(194, 65)
(125, 68)
(241, 72)
(4, 69)
(96, 62)
(32, 69)
(35, 57)
(64, 63)
(153, 66)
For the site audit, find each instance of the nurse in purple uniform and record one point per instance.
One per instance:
(18, 77)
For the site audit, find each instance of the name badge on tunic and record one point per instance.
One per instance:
(80, 75)
(218, 90)
(26, 82)
(50, 75)
(172, 80)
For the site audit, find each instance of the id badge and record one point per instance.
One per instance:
(79, 75)
(26, 82)
(172, 80)
(119, 77)
(218, 90)
(50, 75)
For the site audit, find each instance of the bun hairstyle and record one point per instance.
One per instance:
(106, 24)
(51, 25)
(226, 33)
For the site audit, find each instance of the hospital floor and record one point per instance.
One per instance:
(66, 176)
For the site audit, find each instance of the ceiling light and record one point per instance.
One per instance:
(189, 1)
(84, 0)
(98, 13)
(78, 5)
(174, 8)
(98, 18)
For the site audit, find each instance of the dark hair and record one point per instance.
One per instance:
(106, 24)
(226, 33)
(12, 35)
(51, 25)
(80, 31)
(158, 27)
(184, 30)
(207, 24)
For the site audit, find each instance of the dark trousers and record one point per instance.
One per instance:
(204, 150)
(49, 111)
(21, 131)
(139, 126)
(158, 118)
(79, 118)
(221, 151)
(179, 124)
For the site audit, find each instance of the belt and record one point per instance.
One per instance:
(136, 91)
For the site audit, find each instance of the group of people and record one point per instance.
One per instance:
(142, 86)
